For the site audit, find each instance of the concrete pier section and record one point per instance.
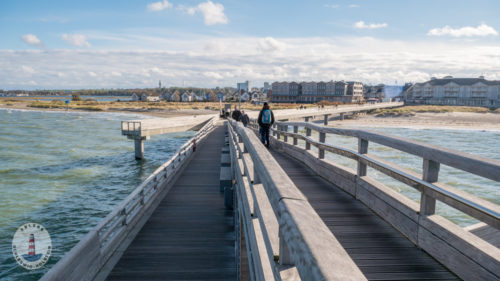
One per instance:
(141, 130)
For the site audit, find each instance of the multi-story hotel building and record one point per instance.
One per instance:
(311, 92)
(455, 91)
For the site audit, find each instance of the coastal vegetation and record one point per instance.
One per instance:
(92, 105)
(414, 109)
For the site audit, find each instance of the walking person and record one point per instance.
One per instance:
(266, 120)
(236, 114)
(244, 118)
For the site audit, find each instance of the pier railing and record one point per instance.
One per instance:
(465, 254)
(88, 258)
(131, 128)
(286, 238)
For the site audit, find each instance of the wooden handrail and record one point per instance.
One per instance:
(481, 166)
(87, 257)
(305, 240)
(478, 208)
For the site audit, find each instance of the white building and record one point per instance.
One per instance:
(246, 86)
(455, 91)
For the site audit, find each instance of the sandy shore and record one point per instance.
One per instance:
(163, 113)
(451, 120)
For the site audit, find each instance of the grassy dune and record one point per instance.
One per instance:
(131, 106)
(412, 110)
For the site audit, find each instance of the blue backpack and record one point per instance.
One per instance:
(266, 116)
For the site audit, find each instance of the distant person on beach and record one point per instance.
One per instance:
(266, 120)
(236, 114)
(244, 118)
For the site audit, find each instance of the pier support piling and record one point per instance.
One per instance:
(139, 148)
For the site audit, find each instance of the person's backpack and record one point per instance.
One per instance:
(266, 116)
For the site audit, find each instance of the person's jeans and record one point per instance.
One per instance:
(264, 135)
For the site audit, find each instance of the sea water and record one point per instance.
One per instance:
(66, 171)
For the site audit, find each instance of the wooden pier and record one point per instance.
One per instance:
(190, 235)
(227, 208)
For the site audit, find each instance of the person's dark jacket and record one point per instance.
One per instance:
(260, 119)
(236, 115)
(245, 119)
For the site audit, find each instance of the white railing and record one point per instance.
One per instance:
(443, 239)
(131, 128)
(286, 239)
(86, 259)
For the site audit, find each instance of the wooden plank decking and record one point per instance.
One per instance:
(380, 251)
(190, 236)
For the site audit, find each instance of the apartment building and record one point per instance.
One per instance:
(455, 91)
(311, 92)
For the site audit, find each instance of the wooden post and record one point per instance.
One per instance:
(321, 152)
(326, 119)
(341, 116)
(279, 129)
(363, 149)
(285, 129)
(284, 252)
(430, 174)
(308, 134)
(295, 131)
(306, 119)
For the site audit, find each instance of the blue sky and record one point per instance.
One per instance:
(122, 44)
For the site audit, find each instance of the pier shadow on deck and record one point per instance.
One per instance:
(190, 236)
(379, 250)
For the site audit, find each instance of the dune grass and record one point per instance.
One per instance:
(412, 110)
(141, 106)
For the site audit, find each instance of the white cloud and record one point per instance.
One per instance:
(466, 31)
(27, 69)
(77, 40)
(233, 59)
(269, 44)
(363, 25)
(353, 6)
(32, 40)
(213, 13)
(159, 6)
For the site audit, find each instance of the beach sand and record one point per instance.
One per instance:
(451, 120)
(424, 120)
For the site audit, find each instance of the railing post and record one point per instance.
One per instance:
(362, 149)
(325, 121)
(278, 127)
(321, 152)
(430, 174)
(284, 252)
(306, 119)
(295, 131)
(285, 129)
(308, 134)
